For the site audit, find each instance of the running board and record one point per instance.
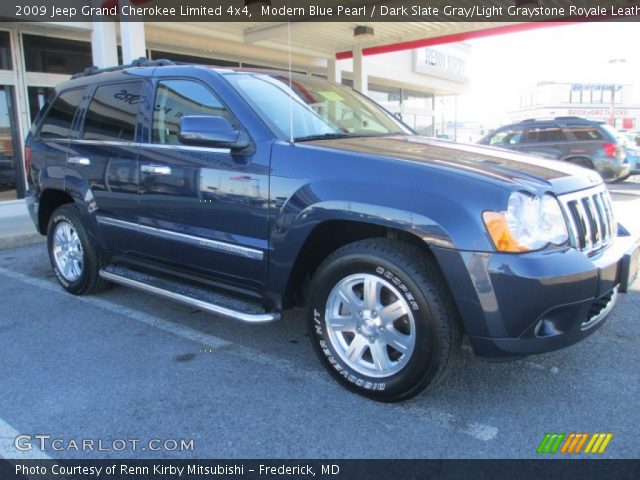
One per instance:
(217, 303)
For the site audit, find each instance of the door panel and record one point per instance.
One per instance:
(106, 155)
(546, 141)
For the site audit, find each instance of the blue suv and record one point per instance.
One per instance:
(244, 193)
(589, 143)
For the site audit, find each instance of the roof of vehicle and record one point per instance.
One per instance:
(562, 119)
(143, 66)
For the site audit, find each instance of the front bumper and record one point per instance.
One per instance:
(513, 305)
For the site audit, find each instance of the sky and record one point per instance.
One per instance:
(502, 66)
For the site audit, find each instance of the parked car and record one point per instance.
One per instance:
(588, 143)
(633, 157)
(244, 193)
(7, 172)
(632, 152)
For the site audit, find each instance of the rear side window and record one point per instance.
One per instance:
(113, 112)
(585, 133)
(57, 122)
(178, 98)
(545, 134)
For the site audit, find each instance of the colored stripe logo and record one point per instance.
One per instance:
(574, 443)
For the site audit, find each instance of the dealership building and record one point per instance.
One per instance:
(612, 103)
(382, 60)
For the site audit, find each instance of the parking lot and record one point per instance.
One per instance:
(125, 365)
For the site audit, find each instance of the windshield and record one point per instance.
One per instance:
(312, 108)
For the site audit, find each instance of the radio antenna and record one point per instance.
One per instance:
(290, 82)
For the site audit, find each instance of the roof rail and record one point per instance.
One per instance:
(570, 117)
(138, 62)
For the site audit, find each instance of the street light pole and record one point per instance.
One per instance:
(612, 120)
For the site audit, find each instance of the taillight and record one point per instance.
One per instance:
(27, 162)
(610, 149)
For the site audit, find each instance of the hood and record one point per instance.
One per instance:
(491, 163)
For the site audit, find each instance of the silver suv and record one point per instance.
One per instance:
(588, 143)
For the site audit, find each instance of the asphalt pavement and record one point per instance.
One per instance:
(124, 366)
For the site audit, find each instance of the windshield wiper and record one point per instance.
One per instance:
(323, 136)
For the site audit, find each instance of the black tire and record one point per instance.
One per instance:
(89, 280)
(620, 179)
(419, 282)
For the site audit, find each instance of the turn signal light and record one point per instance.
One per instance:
(498, 229)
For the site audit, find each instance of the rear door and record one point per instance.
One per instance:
(548, 141)
(202, 209)
(104, 154)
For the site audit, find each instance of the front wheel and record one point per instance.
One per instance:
(381, 319)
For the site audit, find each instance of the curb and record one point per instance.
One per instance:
(21, 240)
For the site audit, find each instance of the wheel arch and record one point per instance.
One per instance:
(330, 235)
(581, 161)
(50, 200)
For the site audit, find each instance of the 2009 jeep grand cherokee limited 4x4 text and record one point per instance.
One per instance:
(247, 192)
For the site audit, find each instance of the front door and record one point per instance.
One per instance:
(202, 209)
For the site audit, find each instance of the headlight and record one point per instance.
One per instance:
(529, 223)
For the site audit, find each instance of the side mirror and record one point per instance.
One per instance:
(211, 131)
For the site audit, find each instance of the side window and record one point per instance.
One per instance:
(57, 122)
(508, 136)
(113, 112)
(545, 134)
(585, 133)
(177, 98)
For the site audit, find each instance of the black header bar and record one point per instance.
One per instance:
(319, 10)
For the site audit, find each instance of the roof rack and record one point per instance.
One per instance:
(138, 62)
(570, 117)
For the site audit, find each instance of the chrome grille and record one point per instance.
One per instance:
(590, 219)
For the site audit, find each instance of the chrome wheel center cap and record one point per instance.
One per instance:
(370, 322)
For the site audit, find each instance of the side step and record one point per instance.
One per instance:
(207, 300)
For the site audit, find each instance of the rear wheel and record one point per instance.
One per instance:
(75, 260)
(381, 319)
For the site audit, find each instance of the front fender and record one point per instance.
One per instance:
(299, 217)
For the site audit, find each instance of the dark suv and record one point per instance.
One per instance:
(588, 143)
(244, 193)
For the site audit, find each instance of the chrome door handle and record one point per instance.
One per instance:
(83, 161)
(156, 169)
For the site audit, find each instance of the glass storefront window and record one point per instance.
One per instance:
(10, 173)
(416, 100)
(55, 55)
(388, 97)
(5, 51)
